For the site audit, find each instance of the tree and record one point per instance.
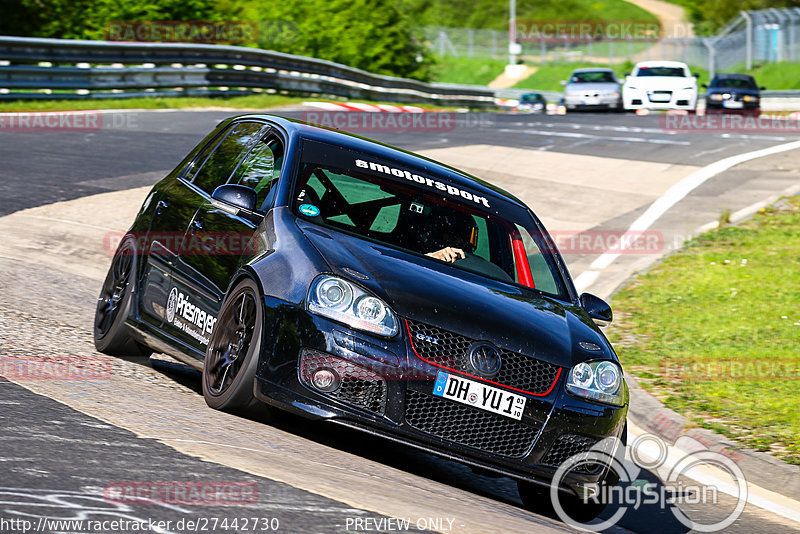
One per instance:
(368, 34)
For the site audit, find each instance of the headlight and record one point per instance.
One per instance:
(600, 381)
(690, 88)
(615, 94)
(342, 301)
(748, 98)
(716, 97)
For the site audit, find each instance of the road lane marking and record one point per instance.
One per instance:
(670, 198)
(575, 135)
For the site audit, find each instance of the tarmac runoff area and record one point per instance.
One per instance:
(72, 237)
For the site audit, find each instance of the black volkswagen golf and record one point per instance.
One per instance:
(345, 280)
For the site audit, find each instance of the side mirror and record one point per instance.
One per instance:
(627, 74)
(563, 82)
(762, 88)
(695, 75)
(597, 309)
(704, 85)
(239, 196)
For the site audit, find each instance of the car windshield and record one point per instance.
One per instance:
(424, 214)
(599, 76)
(733, 83)
(532, 97)
(662, 71)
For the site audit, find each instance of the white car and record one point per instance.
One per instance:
(660, 85)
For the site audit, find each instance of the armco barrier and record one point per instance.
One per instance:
(90, 69)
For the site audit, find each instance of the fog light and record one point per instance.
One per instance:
(325, 380)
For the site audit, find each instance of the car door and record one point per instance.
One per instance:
(194, 298)
(174, 206)
(230, 236)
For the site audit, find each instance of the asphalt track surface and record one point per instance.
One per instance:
(52, 454)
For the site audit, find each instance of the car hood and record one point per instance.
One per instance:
(513, 318)
(581, 87)
(660, 82)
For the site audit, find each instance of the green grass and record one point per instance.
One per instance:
(773, 76)
(244, 102)
(729, 298)
(476, 71)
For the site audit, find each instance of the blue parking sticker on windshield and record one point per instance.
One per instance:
(441, 382)
(309, 210)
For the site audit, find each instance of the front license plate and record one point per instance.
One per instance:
(591, 101)
(732, 104)
(479, 395)
(660, 97)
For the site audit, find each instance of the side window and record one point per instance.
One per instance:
(261, 167)
(218, 166)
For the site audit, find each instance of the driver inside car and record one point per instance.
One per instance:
(457, 235)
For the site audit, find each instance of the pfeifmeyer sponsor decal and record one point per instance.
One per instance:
(184, 315)
(422, 180)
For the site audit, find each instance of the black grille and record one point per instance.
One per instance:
(567, 446)
(518, 371)
(360, 387)
(468, 426)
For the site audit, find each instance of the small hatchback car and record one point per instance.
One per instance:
(345, 280)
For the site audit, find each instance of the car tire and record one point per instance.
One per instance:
(537, 499)
(111, 334)
(232, 354)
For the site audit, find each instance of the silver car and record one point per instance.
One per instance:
(592, 88)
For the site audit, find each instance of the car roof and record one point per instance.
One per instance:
(649, 64)
(733, 76)
(592, 69)
(323, 134)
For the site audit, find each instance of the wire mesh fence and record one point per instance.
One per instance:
(762, 36)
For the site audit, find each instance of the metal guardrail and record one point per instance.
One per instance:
(92, 68)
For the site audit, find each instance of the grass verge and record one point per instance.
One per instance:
(714, 330)
(467, 70)
(244, 102)
(773, 76)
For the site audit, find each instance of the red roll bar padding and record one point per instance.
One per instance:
(521, 259)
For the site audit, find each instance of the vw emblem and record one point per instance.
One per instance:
(172, 301)
(485, 359)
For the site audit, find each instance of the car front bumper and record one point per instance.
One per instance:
(683, 99)
(387, 390)
(580, 101)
